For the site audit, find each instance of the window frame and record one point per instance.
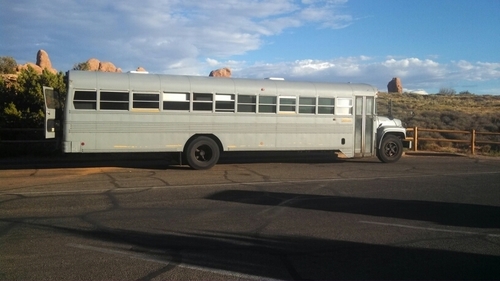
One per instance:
(121, 104)
(273, 105)
(326, 106)
(91, 101)
(252, 105)
(138, 101)
(221, 100)
(340, 107)
(309, 106)
(287, 108)
(202, 105)
(173, 101)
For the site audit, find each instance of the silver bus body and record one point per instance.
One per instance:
(137, 112)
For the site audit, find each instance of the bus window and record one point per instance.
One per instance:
(176, 101)
(202, 102)
(146, 101)
(307, 105)
(85, 100)
(288, 104)
(224, 103)
(326, 106)
(114, 100)
(344, 106)
(247, 103)
(267, 104)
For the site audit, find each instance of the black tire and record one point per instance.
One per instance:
(202, 153)
(391, 149)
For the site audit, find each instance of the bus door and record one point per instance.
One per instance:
(364, 110)
(51, 104)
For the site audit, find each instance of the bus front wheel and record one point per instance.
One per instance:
(202, 153)
(390, 150)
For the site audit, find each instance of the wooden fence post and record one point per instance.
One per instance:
(473, 141)
(415, 138)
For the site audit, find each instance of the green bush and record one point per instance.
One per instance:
(22, 104)
(7, 65)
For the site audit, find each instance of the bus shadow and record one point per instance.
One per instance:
(157, 161)
(279, 157)
(163, 161)
(443, 213)
(282, 257)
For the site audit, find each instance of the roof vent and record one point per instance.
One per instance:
(140, 72)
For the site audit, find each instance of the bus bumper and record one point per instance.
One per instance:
(407, 144)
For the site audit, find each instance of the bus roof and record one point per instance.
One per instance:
(183, 83)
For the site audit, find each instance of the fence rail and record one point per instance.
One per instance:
(472, 140)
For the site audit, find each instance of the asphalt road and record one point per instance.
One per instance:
(293, 217)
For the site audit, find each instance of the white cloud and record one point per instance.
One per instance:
(156, 34)
(194, 37)
(418, 92)
(212, 62)
(418, 75)
(325, 12)
(478, 71)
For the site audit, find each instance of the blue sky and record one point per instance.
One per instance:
(429, 44)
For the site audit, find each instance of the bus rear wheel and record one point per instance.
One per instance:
(202, 153)
(390, 150)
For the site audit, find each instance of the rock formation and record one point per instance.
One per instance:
(105, 66)
(93, 64)
(222, 72)
(42, 62)
(96, 65)
(395, 86)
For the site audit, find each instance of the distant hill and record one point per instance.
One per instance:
(464, 112)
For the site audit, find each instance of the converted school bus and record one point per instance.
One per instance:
(201, 117)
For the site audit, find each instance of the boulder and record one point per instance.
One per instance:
(222, 72)
(93, 64)
(37, 68)
(395, 86)
(96, 65)
(107, 67)
(42, 62)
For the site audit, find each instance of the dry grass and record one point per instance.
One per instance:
(463, 112)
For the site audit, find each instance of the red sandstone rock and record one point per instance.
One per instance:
(395, 86)
(222, 72)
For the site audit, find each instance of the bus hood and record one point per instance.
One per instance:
(383, 121)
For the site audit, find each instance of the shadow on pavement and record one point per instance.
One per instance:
(297, 258)
(160, 161)
(443, 213)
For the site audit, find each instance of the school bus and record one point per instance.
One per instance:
(202, 117)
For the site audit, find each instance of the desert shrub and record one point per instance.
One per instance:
(447, 91)
(82, 66)
(7, 65)
(486, 148)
